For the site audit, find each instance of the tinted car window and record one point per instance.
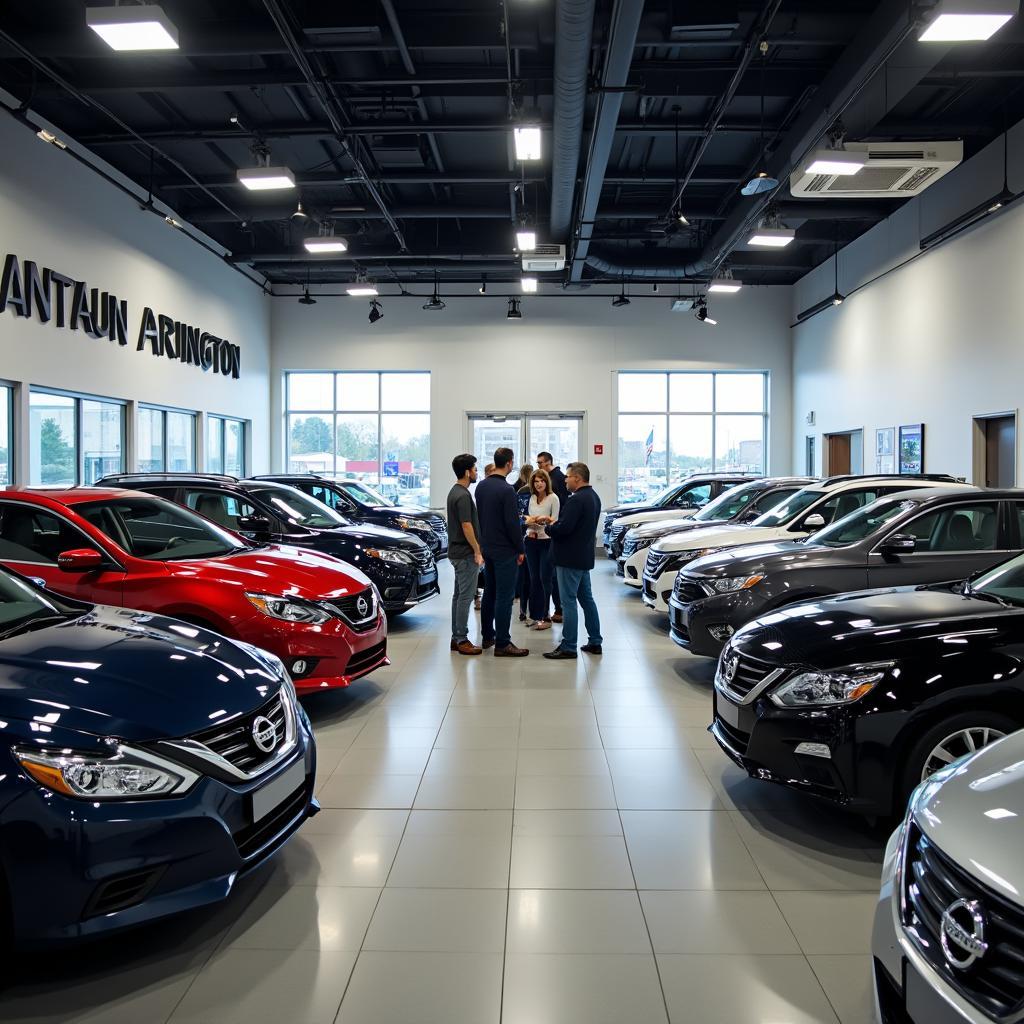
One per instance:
(862, 523)
(697, 495)
(788, 509)
(328, 495)
(960, 528)
(298, 507)
(364, 494)
(33, 535)
(223, 509)
(843, 504)
(769, 500)
(727, 504)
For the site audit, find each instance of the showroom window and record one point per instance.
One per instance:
(166, 440)
(6, 435)
(372, 427)
(225, 445)
(74, 439)
(675, 424)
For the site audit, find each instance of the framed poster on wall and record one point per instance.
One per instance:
(885, 450)
(912, 448)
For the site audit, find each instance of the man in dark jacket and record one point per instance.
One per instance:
(574, 538)
(546, 461)
(501, 539)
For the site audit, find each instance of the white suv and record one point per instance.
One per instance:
(804, 513)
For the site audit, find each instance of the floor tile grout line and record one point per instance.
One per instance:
(508, 887)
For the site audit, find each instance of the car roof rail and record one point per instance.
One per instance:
(111, 477)
(940, 477)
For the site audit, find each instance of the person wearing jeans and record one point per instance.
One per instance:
(538, 546)
(574, 538)
(463, 551)
(546, 461)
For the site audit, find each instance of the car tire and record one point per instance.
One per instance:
(949, 738)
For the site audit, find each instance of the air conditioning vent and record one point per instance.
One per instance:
(544, 258)
(893, 170)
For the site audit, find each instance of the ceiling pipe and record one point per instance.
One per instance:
(574, 24)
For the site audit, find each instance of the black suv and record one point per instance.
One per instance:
(361, 504)
(859, 698)
(912, 537)
(401, 567)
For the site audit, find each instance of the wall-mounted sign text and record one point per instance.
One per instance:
(27, 289)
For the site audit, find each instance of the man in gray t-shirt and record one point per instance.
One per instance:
(463, 550)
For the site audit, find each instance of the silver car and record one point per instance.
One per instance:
(948, 938)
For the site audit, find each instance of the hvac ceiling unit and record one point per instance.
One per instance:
(544, 258)
(893, 170)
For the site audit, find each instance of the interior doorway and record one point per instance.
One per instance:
(560, 433)
(843, 453)
(995, 450)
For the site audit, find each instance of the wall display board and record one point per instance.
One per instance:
(912, 448)
(885, 450)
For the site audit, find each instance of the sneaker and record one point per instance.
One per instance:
(558, 654)
(468, 647)
(511, 651)
(591, 648)
(557, 617)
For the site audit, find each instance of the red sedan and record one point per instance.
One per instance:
(319, 615)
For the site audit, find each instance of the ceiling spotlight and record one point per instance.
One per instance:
(300, 214)
(761, 182)
(527, 142)
(725, 284)
(376, 312)
(362, 291)
(307, 299)
(968, 20)
(836, 161)
(529, 284)
(837, 298)
(325, 243)
(701, 313)
(483, 286)
(620, 300)
(51, 138)
(774, 238)
(681, 217)
(514, 312)
(172, 222)
(264, 179)
(434, 302)
(526, 241)
(144, 27)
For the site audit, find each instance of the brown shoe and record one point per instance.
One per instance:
(468, 647)
(454, 646)
(557, 617)
(511, 651)
(487, 644)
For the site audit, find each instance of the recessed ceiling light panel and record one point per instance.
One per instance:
(725, 285)
(836, 161)
(527, 142)
(774, 238)
(143, 27)
(362, 291)
(325, 243)
(968, 20)
(264, 179)
(526, 241)
(529, 284)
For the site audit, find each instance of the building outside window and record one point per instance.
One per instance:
(166, 440)
(74, 439)
(672, 425)
(225, 445)
(368, 426)
(6, 435)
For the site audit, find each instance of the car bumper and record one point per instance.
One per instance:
(412, 592)
(78, 870)
(656, 592)
(704, 627)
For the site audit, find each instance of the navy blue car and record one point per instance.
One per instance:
(145, 765)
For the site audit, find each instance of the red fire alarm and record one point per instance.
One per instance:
(599, 449)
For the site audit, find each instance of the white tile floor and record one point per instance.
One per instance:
(520, 841)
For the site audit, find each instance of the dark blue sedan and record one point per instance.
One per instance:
(145, 765)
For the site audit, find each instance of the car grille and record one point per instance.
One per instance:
(736, 738)
(347, 608)
(749, 672)
(630, 546)
(423, 560)
(655, 564)
(931, 882)
(688, 590)
(123, 892)
(363, 661)
(253, 838)
(233, 740)
(438, 525)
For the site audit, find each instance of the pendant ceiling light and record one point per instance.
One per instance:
(761, 182)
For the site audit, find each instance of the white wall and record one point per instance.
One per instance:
(63, 216)
(937, 341)
(561, 356)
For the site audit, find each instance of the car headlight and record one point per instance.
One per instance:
(288, 609)
(386, 555)
(838, 686)
(413, 524)
(643, 542)
(731, 584)
(701, 552)
(128, 774)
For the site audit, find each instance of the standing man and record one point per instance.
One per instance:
(501, 537)
(546, 461)
(463, 550)
(574, 540)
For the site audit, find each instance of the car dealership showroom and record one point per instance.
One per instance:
(364, 364)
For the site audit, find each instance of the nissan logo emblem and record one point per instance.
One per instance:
(264, 734)
(363, 607)
(729, 667)
(963, 933)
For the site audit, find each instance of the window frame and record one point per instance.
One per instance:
(224, 420)
(164, 410)
(10, 419)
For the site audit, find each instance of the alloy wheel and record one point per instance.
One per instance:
(957, 745)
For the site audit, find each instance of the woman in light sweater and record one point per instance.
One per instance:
(543, 502)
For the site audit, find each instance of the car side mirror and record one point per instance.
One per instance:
(257, 525)
(80, 560)
(898, 544)
(813, 522)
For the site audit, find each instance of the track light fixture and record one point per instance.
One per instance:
(434, 302)
(307, 299)
(376, 312)
(701, 312)
(620, 300)
(514, 312)
(300, 215)
(483, 285)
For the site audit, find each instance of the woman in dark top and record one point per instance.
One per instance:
(523, 574)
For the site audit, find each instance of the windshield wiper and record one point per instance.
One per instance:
(968, 591)
(37, 622)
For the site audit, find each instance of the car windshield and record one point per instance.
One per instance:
(860, 524)
(729, 504)
(299, 508)
(781, 514)
(158, 530)
(21, 604)
(665, 496)
(1005, 582)
(363, 494)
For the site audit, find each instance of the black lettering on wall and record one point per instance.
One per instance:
(61, 282)
(166, 337)
(37, 291)
(99, 310)
(147, 331)
(207, 344)
(192, 353)
(81, 317)
(11, 291)
(118, 320)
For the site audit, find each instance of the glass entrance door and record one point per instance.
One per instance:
(526, 434)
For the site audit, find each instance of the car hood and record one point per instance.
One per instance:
(974, 812)
(381, 536)
(760, 558)
(865, 625)
(129, 674)
(402, 510)
(718, 537)
(620, 510)
(659, 515)
(662, 528)
(279, 569)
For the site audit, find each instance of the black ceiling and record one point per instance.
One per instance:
(395, 117)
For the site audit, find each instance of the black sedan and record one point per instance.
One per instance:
(359, 503)
(858, 698)
(401, 567)
(917, 537)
